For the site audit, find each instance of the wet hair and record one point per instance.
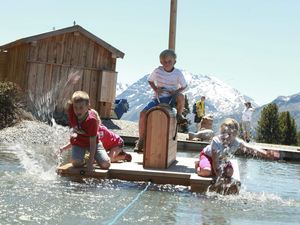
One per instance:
(230, 126)
(167, 53)
(80, 96)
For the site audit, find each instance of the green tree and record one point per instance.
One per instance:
(287, 129)
(298, 138)
(268, 126)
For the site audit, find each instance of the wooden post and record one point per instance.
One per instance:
(172, 29)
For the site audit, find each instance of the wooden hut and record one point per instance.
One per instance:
(40, 64)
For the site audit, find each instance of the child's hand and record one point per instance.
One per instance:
(159, 90)
(218, 172)
(172, 92)
(90, 166)
(275, 155)
(59, 151)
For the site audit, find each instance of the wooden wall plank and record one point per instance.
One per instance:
(33, 52)
(107, 86)
(42, 50)
(93, 88)
(51, 50)
(23, 67)
(90, 54)
(40, 80)
(83, 51)
(55, 90)
(60, 46)
(95, 55)
(3, 65)
(32, 78)
(86, 80)
(12, 65)
(75, 54)
(68, 45)
(48, 77)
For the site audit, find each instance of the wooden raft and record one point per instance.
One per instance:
(181, 172)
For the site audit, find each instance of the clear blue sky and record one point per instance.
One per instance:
(253, 45)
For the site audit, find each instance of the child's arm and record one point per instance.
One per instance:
(260, 152)
(64, 148)
(156, 89)
(93, 145)
(215, 162)
(179, 90)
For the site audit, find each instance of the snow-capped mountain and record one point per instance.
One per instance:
(221, 100)
(121, 87)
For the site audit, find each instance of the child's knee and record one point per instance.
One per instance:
(206, 172)
(104, 165)
(228, 172)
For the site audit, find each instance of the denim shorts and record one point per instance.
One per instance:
(171, 100)
(100, 154)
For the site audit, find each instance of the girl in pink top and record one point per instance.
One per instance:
(113, 144)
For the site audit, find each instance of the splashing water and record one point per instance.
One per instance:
(45, 104)
(37, 161)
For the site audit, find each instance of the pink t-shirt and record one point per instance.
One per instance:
(108, 138)
(84, 130)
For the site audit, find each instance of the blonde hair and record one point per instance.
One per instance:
(167, 53)
(230, 125)
(80, 96)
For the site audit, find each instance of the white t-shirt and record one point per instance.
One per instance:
(222, 151)
(169, 80)
(247, 114)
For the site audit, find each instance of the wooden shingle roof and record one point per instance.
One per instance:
(116, 53)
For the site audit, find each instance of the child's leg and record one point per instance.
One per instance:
(117, 154)
(180, 101)
(204, 169)
(78, 153)
(101, 157)
(228, 170)
(114, 154)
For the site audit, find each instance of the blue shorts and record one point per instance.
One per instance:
(171, 100)
(100, 154)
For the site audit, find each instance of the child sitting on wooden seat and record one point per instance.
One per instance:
(214, 158)
(168, 84)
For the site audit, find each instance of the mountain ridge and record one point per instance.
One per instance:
(222, 100)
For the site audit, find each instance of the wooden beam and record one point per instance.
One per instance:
(172, 28)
